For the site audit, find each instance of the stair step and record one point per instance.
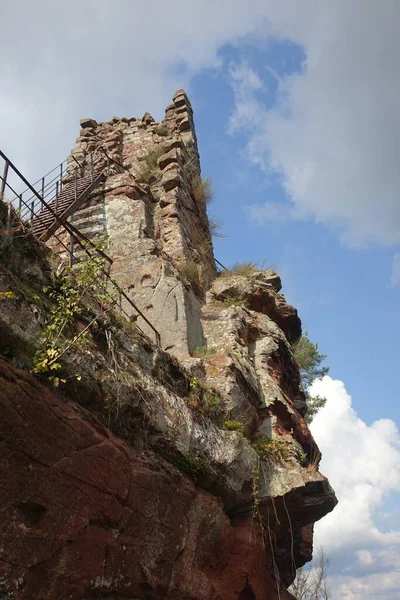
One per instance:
(45, 218)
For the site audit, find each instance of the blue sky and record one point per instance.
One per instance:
(296, 111)
(343, 294)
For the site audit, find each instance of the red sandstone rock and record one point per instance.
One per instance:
(84, 516)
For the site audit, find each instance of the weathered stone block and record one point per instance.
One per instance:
(88, 132)
(170, 179)
(147, 118)
(88, 123)
(185, 124)
(168, 158)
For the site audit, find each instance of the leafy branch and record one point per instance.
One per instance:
(82, 283)
(309, 361)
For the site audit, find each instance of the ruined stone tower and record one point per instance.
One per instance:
(153, 211)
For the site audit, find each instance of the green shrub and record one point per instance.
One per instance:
(267, 448)
(309, 361)
(203, 351)
(161, 131)
(201, 400)
(8, 295)
(233, 425)
(149, 164)
(78, 285)
(212, 403)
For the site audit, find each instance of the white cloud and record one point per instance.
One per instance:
(365, 557)
(334, 133)
(248, 109)
(376, 586)
(363, 465)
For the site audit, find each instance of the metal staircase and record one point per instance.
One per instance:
(45, 206)
(70, 199)
(58, 194)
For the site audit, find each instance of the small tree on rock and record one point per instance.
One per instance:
(310, 362)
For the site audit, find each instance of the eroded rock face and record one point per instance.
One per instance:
(84, 516)
(260, 290)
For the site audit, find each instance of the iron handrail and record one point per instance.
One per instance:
(220, 264)
(78, 237)
(66, 173)
(59, 168)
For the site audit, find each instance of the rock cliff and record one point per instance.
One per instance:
(182, 471)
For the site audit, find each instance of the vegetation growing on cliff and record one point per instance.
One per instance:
(232, 300)
(267, 448)
(190, 273)
(215, 226)
(203, 351)
(310, 360)
(83, 282)
(149, 163)
(202, 190)
(161, 131)
(243, 268)
(234, 425)
(201, 400)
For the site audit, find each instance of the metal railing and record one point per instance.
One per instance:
(220, 266)
(50, 187)
(32, 203)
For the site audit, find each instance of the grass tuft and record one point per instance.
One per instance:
(233, 425)
(161, 131)
(244, 268)
(202, 190)
(232, 300)
(215, 226)
(203, 351)
(149, 164)
(189, 272)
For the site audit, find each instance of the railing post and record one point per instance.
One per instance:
(19, 204)
(76, 183)
(42, 187)
(91, 166)
(3, 183)
(32, 209)
(56, 203)
(61, 177)
(8, 225)
(71, 250)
